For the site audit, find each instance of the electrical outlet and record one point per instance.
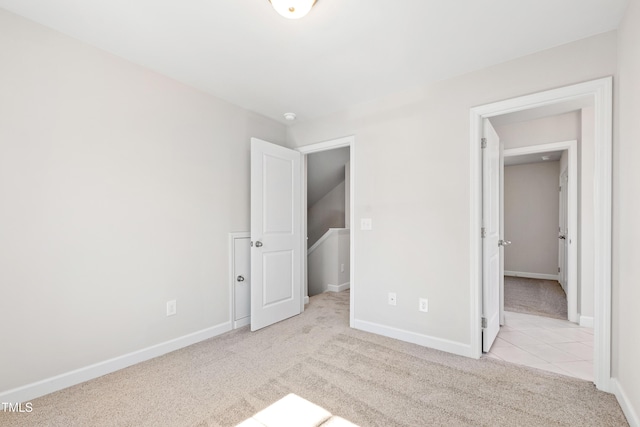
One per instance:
(392, 298)
(341, 268)
(366, 224)
(171, 308)
(423, 304)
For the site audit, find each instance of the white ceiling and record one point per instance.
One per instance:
(524, 159)
(344, 52)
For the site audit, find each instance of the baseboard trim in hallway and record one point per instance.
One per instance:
(531, 275)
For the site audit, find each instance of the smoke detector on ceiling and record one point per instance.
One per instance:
(290, 116)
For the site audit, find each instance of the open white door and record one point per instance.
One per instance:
(563, 232)
(492, 269)
(275, 233)
(504, 242)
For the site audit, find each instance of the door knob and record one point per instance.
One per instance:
(240, 279)
(258, 244)
(504, 242)
(562, 236)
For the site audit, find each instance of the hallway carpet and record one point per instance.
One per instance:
(535, 296)
(367, 379)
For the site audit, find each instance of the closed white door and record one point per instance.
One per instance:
(492, 269)
(276, 230)
(242, 281)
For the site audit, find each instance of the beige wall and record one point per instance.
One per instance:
(326, 213)
(558, 128)
(119, 188)
(412, 178)
(626, 211)
(531, 207)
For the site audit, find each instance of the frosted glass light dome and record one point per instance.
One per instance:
(292, 9)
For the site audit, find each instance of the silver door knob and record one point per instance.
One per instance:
(258, 244)
(240, 279)
(504, 242)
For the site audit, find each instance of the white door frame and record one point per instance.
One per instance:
(572, 214)
(602, 94)
(347, 141)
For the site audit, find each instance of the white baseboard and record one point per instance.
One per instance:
(68, 379)
(628, 410)
(586, 321)
(242, 322)
(415, 338)
(338, 288)
(306, 300)
(531, 275)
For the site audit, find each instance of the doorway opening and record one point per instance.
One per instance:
(328, 207)
(540, 215)
(328, 221)
(539, 305)
(599, 94)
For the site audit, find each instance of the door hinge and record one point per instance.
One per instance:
(483, 232)
(484, 323)
(558, 269)
(483, 143)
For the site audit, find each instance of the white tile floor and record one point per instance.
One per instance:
(541, 342)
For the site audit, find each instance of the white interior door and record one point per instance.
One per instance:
(492, 269)
(501, 201)
(563, 232)
(242, 281)
(276, 232)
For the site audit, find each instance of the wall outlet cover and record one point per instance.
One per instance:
(392, 298)
(171, 308)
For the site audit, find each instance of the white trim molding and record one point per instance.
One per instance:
(586, 321)
(330, 232)
(531, 275)
(338, 288)
(627, 408)
(441, 344)
(600, 91)
(68, 379)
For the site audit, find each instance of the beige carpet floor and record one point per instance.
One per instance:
(535, 296)
(365, 378)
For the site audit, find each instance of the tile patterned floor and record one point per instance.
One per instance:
(541, 342)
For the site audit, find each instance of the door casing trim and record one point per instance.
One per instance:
(601, 91)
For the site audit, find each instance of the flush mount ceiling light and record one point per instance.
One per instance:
(290, 116)
(292, 9)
